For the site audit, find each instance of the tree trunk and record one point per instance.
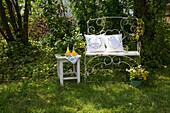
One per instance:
(136, 8)
(5, 22)
(26, 21)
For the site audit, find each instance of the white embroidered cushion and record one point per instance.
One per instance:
(95, 43)
(113, 42)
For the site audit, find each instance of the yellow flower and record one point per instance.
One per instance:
(133, 35)
(137, 37)
(144, 78)
(146, 73)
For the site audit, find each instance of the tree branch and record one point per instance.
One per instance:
(11, 13)
(18, 14)
(13, 2)
(161, 6)
(158, 7)
(63, 7)
(5, 22)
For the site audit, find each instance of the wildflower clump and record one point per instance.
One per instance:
(139, 31)
(138, 73)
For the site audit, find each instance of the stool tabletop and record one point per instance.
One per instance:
(60, 56)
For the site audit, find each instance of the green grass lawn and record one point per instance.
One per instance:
(46, 95)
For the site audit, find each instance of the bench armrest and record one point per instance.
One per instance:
(85, 47)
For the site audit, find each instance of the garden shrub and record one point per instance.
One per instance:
(155, 50)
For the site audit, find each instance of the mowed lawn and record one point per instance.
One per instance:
(46, 95)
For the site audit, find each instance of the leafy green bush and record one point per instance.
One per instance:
(155, 48)
(60, 26)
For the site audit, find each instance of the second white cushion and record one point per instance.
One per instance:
(113, 42)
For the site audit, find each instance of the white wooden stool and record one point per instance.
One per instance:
(60, 74)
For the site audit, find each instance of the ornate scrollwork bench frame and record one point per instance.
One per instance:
(101, 22)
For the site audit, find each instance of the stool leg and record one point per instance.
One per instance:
(61, 73)
(78, 71)
(74, 68)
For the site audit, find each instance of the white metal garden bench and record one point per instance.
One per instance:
(97, 35)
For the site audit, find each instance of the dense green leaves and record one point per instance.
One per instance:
(53, 30)
(59, 25)
(155, 40)
(84, 10)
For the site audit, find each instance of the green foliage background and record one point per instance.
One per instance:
(84, 10)
(50, 31)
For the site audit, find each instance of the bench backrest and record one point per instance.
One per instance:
(115, 25)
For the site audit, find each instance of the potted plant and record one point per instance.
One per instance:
(137, 74)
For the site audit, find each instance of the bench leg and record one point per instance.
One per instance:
(58, 68)
(85, 74)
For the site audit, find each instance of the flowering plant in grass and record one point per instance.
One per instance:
(138, 73)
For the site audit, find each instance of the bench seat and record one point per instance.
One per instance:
(115, 53)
